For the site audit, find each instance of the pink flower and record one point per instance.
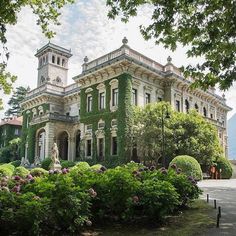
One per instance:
(16, 177)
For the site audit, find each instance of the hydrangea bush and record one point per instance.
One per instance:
(69, 200)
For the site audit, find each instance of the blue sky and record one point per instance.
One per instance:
(86, 30)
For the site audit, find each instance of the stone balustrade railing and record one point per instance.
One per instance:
(119, 52)
(215, 122)
(53, 116)
(54, 89)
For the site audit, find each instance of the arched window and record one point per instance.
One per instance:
(53, 59)
(196, 107)
(58, 61)
(204, 111)
(43, 60)
(186, 105)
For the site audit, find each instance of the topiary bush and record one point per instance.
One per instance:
(21, 171)
(7, 170)
(67, 164)
(188, 165)
(224, 165)
(38, 172)
(45, 164)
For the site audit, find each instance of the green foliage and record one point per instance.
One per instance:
(188, 165)
(14, 102)
(123, 115)
(206, 27)
(11, 151)
(45, 164)
(15, 163)
(21, 171)
(225, 166)
(155, 194)
(38, 172)
(36, 205)
(67, 164)
(185, 134)
(6, 170)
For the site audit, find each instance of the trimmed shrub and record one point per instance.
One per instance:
(21, 171)
(225, 166)
(16, 163)
(7, 170)
(45, 164)
(188, 165)
(67, 164)
(38, 172)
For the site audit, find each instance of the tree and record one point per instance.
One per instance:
(207, 27)
(185, 134)
(47, 12)
(15, 100)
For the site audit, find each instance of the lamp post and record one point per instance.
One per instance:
(164, 115)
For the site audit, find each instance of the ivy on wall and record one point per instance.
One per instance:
(123, 115)
(29, 134)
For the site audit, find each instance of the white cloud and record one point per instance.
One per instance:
(85, 29)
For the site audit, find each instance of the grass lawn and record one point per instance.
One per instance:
(193, 221)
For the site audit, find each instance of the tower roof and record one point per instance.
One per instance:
(54, 47)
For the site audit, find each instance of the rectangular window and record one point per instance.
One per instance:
(101, 148)
(89, 148)
(101, 101)
(115, 97)
(134, 97)
(89, 103)
(177, 105)
(16, 131)
(114, 145)
(147, 98)
(89, 127)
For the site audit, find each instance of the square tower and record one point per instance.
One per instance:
(52, 64)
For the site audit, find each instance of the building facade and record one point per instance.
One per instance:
(89, 118)
(10, 128)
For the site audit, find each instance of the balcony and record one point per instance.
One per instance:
(53, 116)
(215, 122)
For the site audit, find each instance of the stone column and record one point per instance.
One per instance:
(71, 149)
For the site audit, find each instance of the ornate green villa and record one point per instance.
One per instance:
(89, 119)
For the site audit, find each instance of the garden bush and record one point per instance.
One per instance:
(188, 165)
(38, 172)
(21, 171)
(7, 170)
(71, 200)
(67, 164)
(225, 166)
(16, 163)
(45, 164)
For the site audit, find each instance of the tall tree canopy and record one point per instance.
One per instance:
(207, 27)
(14, 102)
(185, 134)
(47, 12)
